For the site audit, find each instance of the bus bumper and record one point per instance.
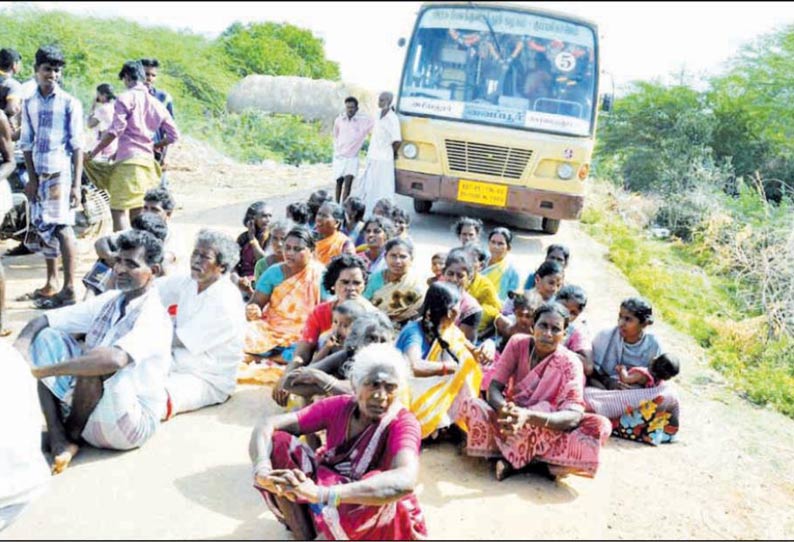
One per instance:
(552, 205)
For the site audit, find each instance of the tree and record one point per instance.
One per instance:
(276, 49)
(654, 135)
(752, 105)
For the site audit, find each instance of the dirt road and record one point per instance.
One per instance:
(729, 476)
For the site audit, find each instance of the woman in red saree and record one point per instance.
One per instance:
(359, 486)
(543, 418)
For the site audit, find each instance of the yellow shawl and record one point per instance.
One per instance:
(430, 405)
(486, 295)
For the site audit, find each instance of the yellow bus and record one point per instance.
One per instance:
(498, 107)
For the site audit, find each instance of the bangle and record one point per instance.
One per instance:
(443, 368)
(547, 422)
(333, 497)
(328, 387)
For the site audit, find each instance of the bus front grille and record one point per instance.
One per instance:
(467, 157)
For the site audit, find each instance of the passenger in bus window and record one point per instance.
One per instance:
(538, 83)
(470, 43)
(511, 50)
(491, 72)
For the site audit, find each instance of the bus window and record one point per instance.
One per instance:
(501, 67)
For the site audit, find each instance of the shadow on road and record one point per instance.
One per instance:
(473, 479)
(227, 490)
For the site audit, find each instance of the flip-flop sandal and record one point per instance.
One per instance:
(54, 302)
(36, 294)
(5, 332)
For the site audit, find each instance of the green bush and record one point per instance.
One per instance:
(252, 137)
(653, 136)
(684, 210)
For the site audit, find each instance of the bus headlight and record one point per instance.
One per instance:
(565, 171)
(410, 151)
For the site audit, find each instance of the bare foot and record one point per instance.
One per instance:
(502, 469)
(62, 456)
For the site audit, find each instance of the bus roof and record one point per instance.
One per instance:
(516, 7)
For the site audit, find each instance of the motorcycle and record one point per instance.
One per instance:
(91, 221)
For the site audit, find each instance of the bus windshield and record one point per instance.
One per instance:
(502, 67)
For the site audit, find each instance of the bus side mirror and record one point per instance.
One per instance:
(401, 42)
(607, 100)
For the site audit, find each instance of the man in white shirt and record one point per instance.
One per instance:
(209, 331)
(377, 182)
(109, 391)
(23, 470)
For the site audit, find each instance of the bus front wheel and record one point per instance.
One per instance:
(550, 225)
(422, 206)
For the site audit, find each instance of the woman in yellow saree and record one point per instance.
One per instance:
(331, 242)
(397, 290)
(500, 269)
(483, 291)
(288, 292)
(445, 374)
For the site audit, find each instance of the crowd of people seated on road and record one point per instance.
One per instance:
(372, 352)
(370, 362)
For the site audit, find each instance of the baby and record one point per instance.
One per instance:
(660, 369)
(521, 321)
(437, 267)
(343, 317)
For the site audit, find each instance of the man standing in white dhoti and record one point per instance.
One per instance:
(350, 131)
(378, 179)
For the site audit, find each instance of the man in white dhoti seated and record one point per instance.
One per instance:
(377, 181)
(24, 473)
(350, 131)
(110, 390)
(209, 326)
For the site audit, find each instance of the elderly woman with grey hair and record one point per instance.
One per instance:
(331, 375)
(210, 327)
(360, 485)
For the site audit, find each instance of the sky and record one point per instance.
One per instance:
(639, 40)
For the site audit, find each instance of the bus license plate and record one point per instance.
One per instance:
(482, 193)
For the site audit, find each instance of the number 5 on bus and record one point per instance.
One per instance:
(498, 109)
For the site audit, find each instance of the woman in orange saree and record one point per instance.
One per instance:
(288, 292)
(332, 242)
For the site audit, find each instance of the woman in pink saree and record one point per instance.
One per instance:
(359, 486)
(542, 419)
